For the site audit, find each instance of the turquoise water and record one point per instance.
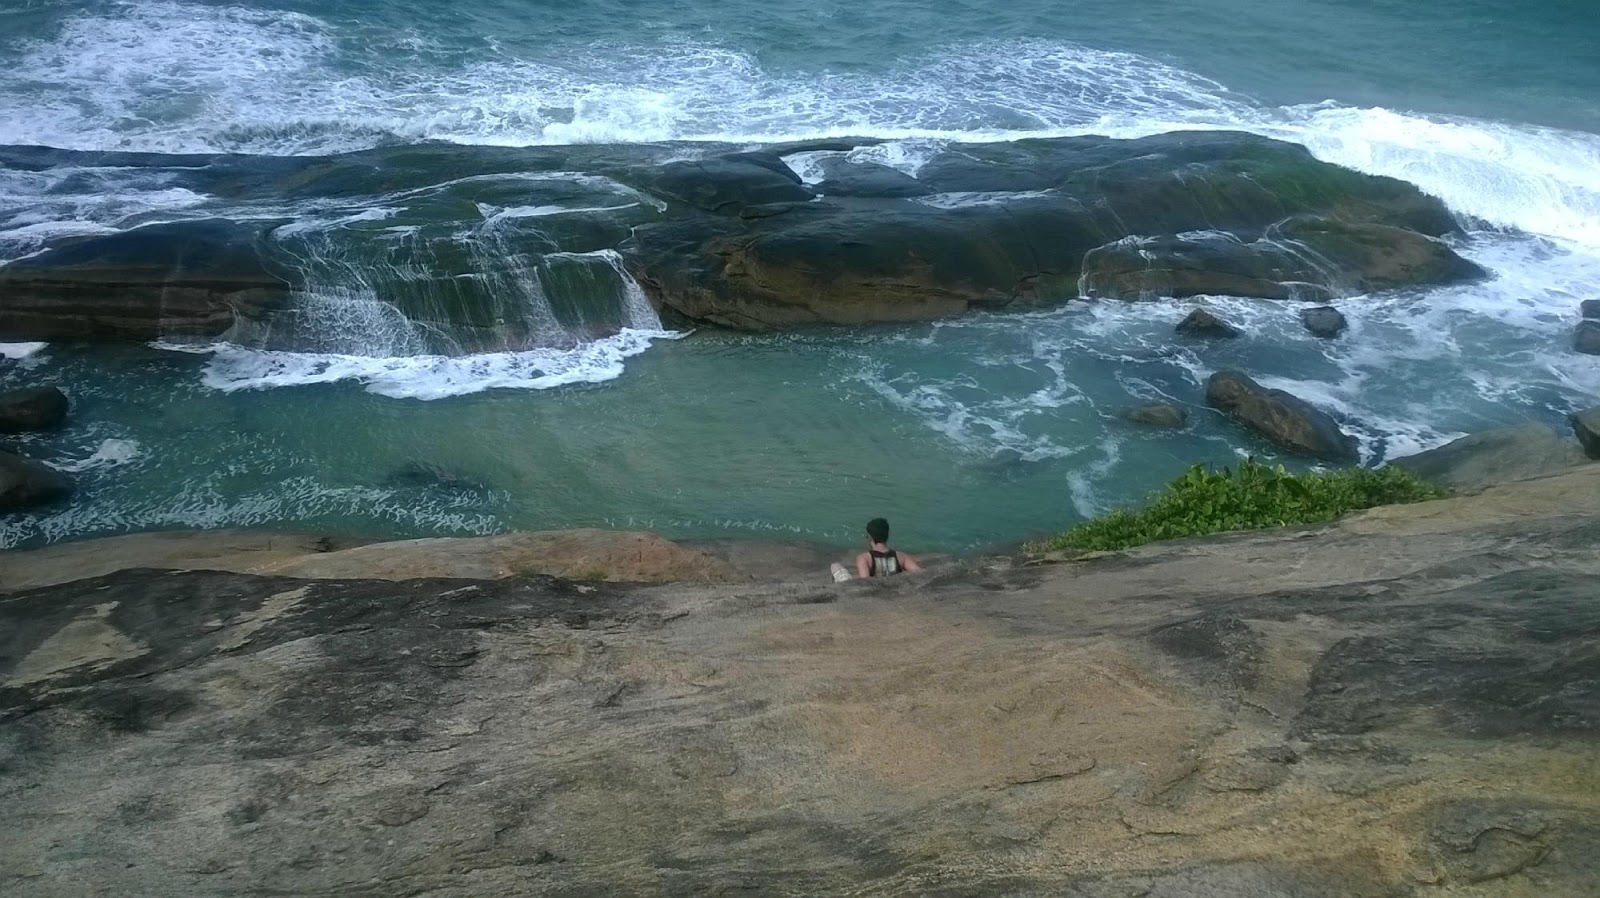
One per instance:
(965, 433)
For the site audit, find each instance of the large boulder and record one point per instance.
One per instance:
(183, 279)
(25, 483)
(1587, 337)
(1281, 417)
(1586, 425)
(1016, 224)
(36, 408)
(1489, 457)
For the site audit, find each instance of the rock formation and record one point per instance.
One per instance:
(1403, 704)
(1326, 322)
(1204, 325)
(1281, 417)
(25, 483)
(736, 238)
(1586, 425)
(1495, 456)
(1586, 338)
(1157, 414)
(34, 408)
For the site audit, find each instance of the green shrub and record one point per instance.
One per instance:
(1207, 500)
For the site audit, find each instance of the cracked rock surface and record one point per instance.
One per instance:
(1406, 703)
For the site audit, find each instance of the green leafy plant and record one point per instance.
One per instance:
(1253, 496)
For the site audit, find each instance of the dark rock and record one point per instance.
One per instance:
(25, 483)
(1586, 425)
(36, 408)
(184, 279)
(1371, 257)
(1590, 308)
(1494, 456)
(1157, 414)
(1015, 224)
(841, 177)
(1324, 321)
(1200, 323)
(1281, 417)
(727, 184)
(1306, 257)
(1587, 337)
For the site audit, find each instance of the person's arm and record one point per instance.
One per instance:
(909, 563)
(863, 565)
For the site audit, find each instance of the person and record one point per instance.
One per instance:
(879, 560)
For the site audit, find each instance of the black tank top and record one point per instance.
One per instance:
(883, 563)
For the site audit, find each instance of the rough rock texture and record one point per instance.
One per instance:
(1586, 426)
(1406, 704)
(25, 483)
(1586, 338)
(1324, 321)
(1203, 324)
(1157, 414)
(726, 236)
(1307, 257)
(587, 555)
(1281, 417)
(1590, 308)
(184, 279)
(36, 408)
(1495, 456)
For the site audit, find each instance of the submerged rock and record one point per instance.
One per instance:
(36, 408)
(1590, 308)
(1157, 414)
(1494, 456)
(1587, 337)
(25, 483)
(427, 475)
(1324, 321)
(1586, 425)
(1281, 417)
(1200, 323)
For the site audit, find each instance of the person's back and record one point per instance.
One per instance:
(879, 560)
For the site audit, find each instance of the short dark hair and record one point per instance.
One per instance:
(878, 529)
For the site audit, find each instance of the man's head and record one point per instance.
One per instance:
(878, 530)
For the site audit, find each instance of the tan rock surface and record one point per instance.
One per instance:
(1405, 704)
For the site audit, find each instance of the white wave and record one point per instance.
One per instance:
(111, 453)
(235, 368)
(20, 351)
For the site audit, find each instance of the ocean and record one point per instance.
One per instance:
(967, 433)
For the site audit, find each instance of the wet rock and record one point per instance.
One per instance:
(1281, 417)
(1586, 338)
(1324, 321)
(36, 408)
(1014, 225)
(25, 483)
(841, 177)
(727, 184)
(1495, 456)
(1290, 261)
(1590, 309)
(1157, 414)
(1586, 425)
(167, 280)
(1203, 324)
